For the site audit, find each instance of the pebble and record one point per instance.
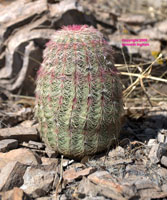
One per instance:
(12, 175)
(38, 180)
(8, 144)
(152, 142)
(22, 155)
(164, 161)
(162, 136)
(22, 134)
(14, 194)
(153, 154)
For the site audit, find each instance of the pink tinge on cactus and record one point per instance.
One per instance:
(79, 102)
(74, 27)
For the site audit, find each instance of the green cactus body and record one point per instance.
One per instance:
(78, 94)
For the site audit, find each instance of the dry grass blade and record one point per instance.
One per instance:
(140, 77)
(144, 76)
(124, 66)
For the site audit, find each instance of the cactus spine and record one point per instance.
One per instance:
(78, 94)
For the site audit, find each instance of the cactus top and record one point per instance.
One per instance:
(76, 28)
(75, 34)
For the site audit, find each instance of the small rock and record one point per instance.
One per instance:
(164, 187)
(118, 152)
(24, 156)
(133, 19)
(6, 195)
(162, 172)
(15, 194)
(50, 153)
(87, 187)
(18, 194)
(134, 170)
(146, 50)
(111, 162)
(153, 33)
(164, 161)
(22, 134)
(73, 164)
(71, 174)
(38, 180)
(89, 190)
(152, 142)
(151, 194)
(60, 197)
(3, 162)
(153, 154)
(144, 183)
(27, 123)
(49, 161)
(34, 145)
(157, 152)
(162, 150)
(162, 26)
(12, 175)
(109, 187)
(8, 144)
(162, 136)
(104, 178)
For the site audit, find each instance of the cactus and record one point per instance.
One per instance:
(78, 93)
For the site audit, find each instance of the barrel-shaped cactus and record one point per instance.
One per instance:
(78, 94)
